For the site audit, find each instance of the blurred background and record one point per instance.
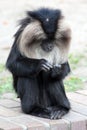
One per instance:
(75, 12)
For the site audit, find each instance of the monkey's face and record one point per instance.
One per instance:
(45, 34)
(47, 45)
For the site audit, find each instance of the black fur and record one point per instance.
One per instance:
(38, 84)
(53, 16)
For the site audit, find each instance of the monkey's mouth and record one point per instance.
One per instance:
(47, 45)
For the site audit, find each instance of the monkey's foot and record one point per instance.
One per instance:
(50, 112)
(41, 112)
(57, 112)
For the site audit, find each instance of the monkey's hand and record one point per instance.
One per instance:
(44, 65)
(56, 71)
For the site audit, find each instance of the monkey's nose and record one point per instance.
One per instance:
(50, 47)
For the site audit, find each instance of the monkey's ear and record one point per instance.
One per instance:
(32, 14)
(58, 14)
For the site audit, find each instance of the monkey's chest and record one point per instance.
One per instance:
(57, 56)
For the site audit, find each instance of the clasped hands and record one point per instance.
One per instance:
(47, 67)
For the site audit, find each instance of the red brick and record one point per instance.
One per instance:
(7, 125)
(79, 108)
(29, 122)
(9, 103)
(83, 92)
(53, 124)
(8, 96)
(8, 112)
(59, 125)
(77, 98)
(77, 121)
(81, 125)
(17, 109)
(17, 99)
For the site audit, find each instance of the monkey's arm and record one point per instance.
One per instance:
(22, 66)
(60, 72)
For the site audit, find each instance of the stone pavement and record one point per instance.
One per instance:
(12, 118)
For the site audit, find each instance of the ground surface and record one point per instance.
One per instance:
(12, 118)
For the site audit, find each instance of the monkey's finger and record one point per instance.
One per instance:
(43, 61)
(53, 114)
(61, 113)
(45, 67)
(57, 115)
(49, 65)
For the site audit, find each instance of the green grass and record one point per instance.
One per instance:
(2, 67)
(6, 84)
(5, 81)
(73, 83)
(75, 59)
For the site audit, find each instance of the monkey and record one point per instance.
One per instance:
(38, 61)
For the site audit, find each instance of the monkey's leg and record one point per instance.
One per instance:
(28, 92)
(61, 105)
(44, 101)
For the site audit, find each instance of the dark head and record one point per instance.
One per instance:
(48, 19)
(42, 29)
